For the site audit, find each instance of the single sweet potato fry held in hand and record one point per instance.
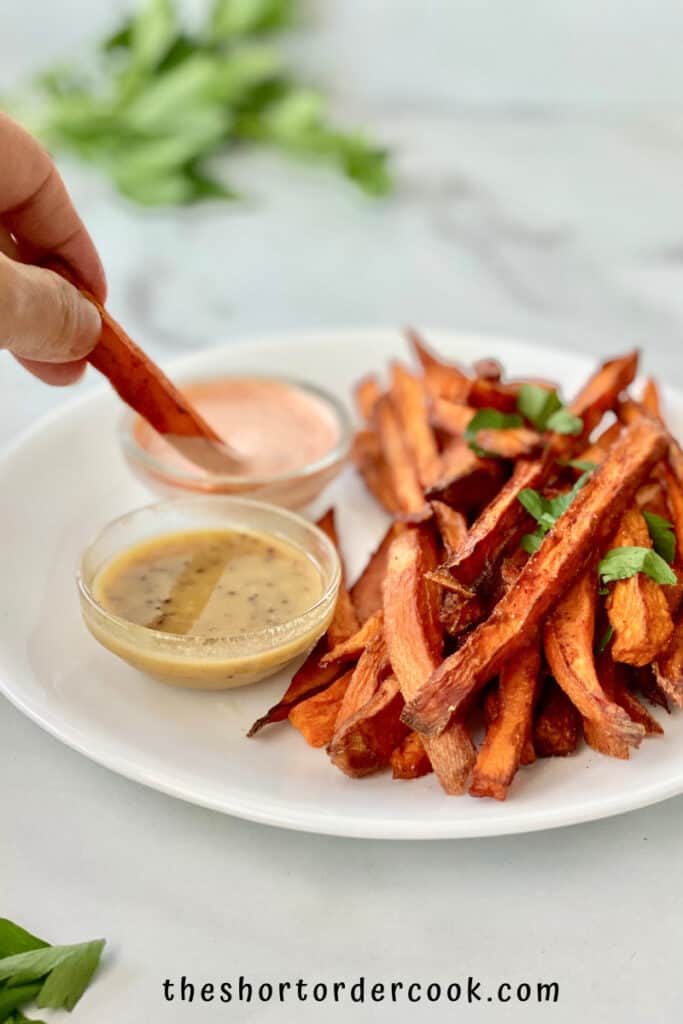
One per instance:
(565, 551)
(414, 641)
(637, 607)
(315, 718)
(501, 753)
(409, 760)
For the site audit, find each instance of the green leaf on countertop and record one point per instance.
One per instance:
(489, 419)
(544, 409)
(156, 101)
(662, 535)
(31, 970)
(624, 562)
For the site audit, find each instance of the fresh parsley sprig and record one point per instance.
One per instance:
(546, 511)
(662, 534)
(625, 562)
(546, 411)
(156, 102)
(31, 970)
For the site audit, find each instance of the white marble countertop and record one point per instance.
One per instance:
(539, 157)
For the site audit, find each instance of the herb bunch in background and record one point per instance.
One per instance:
(155, 101)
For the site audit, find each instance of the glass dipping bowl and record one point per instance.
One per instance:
(293, 489)
(208, 663)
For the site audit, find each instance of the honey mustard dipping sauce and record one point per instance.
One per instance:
(210, 608)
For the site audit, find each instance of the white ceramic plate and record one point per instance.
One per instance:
(66, 479)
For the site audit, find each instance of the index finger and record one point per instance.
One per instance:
(35, 206)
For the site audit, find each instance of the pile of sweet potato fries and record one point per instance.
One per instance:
(530, 581)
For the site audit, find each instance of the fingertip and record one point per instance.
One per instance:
(56, 374)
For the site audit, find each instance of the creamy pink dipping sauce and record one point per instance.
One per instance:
(275, 426)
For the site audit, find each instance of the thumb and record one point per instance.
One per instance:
(42, 317)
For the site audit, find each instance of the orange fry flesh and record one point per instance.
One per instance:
(409, 759)
(366, 454)
(401, 467)
(556, 725)
(353, 646)
(366, 593)
(571, 542)
(444, 380)
(414, 642)
(668, 667)
(316, 716)
(637, 607)
(344, 621)
(364, 743)
(501, 753)
(409, 401)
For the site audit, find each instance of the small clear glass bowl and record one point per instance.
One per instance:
(293, 489)
(208, 663)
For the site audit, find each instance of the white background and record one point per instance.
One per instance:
(539, 153)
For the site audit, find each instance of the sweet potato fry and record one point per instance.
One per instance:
(568, 644)
(637, 607)
(668, 667)
(451, 524)
(364, 742)
(366, 593)
(651, 400)
(556, 726)
(367, 393)
(414, 642)
(596, 451)
(316, 716)
(345, 621)
(459, 612)
(488, 369)
(443, 578)
(601, 392)
(566, 549)
(444, 380)
(409, 759)
(500, 755)
(597, 737)
(401, 467)
(465, 481)
(614, 678)
(367, 675)
(488, 394)
(308, 680)
(409, 401)
(367, 457)
(353, 646)
(510, 442)
(487, 537)
(312, 678)
(451, 417)
(143, 386)
(644, 681)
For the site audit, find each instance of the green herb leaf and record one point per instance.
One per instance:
(584, 465)
(662, 534)
(622, 563)
(11, 999)
(605, 639)
(546, 511)
(564, 422)
(14, 939)
(544, 409)
(155, 102)
(63, 971)
(489, 419)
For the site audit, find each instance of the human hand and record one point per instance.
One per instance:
(44, 321)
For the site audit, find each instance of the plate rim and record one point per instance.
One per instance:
(630, 798)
